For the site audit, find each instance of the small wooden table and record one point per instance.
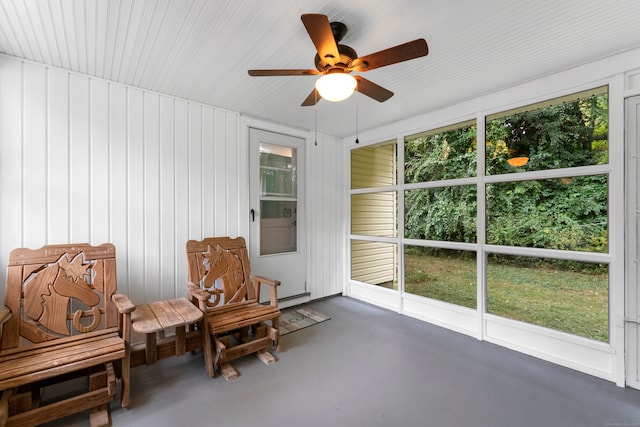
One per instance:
(155, 318)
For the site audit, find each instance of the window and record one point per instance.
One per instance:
(374, 263)
(564, 142)
(374, 214)
(438, 207)
(569, 296)
(444, 153)
(567, 213)
(560, 133)
(443, 213)
(442, 274)
(535, 215)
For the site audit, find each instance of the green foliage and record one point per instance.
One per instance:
(445, 213)
(568, 213)
(441, 156)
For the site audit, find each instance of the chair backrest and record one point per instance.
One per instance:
(58, 291)
(220, 265)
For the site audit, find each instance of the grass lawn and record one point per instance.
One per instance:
(556, 298)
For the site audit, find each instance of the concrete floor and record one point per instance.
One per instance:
(368, 366)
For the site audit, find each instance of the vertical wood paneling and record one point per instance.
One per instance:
(220, 172)
(11, 209)
(324, 207)
(86, 160)
(168, 244)
(118, 154)
(79, 134)
(232, 189)
(182, 208)
(135, 194)
(208, 154)
(195, 170)
(99, 160)
(58, 155)
(34, 167)
(152, 196)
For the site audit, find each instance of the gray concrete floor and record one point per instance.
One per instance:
(368, 366)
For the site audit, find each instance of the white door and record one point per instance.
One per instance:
(277, 210)
(632, 267)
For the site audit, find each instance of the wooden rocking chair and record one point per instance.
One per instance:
(62, 320)
(221, 284)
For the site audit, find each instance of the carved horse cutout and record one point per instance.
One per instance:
(55, 285)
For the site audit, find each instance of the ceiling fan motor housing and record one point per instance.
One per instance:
(347, 55)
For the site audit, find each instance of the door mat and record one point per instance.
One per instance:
(293, 320)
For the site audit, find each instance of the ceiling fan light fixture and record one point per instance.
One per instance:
(336, 86)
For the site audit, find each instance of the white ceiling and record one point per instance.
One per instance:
(201, 49)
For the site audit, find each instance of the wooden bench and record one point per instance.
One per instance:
(62, 320)
(235, 322)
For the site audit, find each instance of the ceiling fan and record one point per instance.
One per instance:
(335, 60)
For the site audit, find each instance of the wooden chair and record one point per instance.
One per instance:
(62, 320)
(221, 284)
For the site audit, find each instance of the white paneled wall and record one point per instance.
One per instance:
(326, 217)
(87, 160)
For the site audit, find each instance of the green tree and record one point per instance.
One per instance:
(568, 213)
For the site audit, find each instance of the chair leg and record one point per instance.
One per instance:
(125, 363)
(126, 371)
(275, 324)
(208, 353)
(4, 406)
(99, 416)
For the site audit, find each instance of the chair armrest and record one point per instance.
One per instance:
(200, 294)
(123, 304)
(5, 313)
(273, 288)
(265, 280)
(202, 297)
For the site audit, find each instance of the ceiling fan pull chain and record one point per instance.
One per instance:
(315, 114)
(357, 110)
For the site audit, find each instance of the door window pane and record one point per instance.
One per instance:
(278, 199)
(278, 230)
(277, 171)
(568, 296)
(442, 274)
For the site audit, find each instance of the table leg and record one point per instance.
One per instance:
(181, 341)
(151, 350)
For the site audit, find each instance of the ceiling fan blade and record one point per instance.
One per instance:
(372, 90)
(312, 99)
(393, 55)
(319, 30)
(257, 73)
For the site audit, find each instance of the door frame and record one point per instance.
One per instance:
(632, 249)
(247, 123)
